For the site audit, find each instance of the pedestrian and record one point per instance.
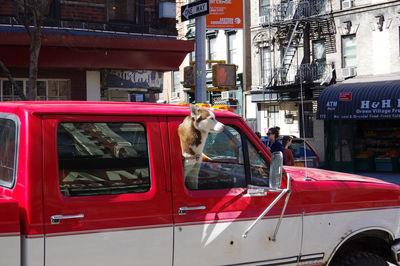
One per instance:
(287, 152)
(274, 144)
(258, 134)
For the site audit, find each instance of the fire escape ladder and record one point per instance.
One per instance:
(287, 57)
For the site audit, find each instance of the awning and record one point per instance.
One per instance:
(94, 50)
(372, 100)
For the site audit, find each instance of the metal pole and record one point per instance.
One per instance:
(200, 60)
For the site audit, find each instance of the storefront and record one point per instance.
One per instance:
(362, 126)
(72, 63)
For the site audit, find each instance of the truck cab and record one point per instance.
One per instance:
(95, 183)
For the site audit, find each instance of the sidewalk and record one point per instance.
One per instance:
(390, 177)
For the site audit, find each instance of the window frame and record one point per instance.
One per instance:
(94, 120)
(344, 57)
(248, 178)
(17, 123)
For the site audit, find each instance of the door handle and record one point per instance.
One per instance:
(182, 210)
(55, 219)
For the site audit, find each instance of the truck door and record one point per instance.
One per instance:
(211, 219)
(105, 200)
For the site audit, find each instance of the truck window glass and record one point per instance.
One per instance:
(223, 165)
(259, 166)
(102, 158)
(8, 151)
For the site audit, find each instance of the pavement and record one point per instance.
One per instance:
(391, 177)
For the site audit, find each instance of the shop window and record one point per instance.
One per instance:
(46, 90)
(102, 158)
(306, 127)
(273, 115)
(176, 82)
(349, 52)
(8, 149)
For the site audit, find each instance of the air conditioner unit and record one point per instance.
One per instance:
(226, 95)
(347, 4)
(175, 94)
(263, 20)
(349, 72)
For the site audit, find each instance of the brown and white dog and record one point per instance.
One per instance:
(193, 133)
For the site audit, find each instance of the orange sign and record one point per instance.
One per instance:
(225, 14)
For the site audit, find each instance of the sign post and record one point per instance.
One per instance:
(198, 10)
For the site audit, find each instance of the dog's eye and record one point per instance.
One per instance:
(212, 118)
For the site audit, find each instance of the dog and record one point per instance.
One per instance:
(193, 132)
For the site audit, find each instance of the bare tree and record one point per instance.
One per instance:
(32, 14)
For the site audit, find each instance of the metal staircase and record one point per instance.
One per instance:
(288, 20)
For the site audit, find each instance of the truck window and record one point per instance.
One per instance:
(223, 164)
(259, 166)
(8, 152)
(102, 158)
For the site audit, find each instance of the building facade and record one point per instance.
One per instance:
(301, 47)
(230, 46)
(94, 49)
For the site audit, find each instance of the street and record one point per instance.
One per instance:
(391, 177)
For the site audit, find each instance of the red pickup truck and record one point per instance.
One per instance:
(95, 183)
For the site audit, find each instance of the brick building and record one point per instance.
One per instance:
(95, 49)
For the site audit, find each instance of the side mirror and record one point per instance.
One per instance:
(275, 171)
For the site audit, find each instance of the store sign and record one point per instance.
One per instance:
(345, 96)
(133, 79)
(225, 14)
(364, 109)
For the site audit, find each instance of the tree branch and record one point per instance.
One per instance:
(16, 86)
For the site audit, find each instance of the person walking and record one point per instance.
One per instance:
(287, 152)
(274, 144)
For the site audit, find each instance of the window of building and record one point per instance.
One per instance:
(47, 90)
(319, 57)
(227, 155)
(130, 11)
(102, 158)
(349, 52)
(307, 127)
(9, 125)
(212, 48)
(273, 116)
(176, 84)
(264, 6)
(266, 71)
(232, 48)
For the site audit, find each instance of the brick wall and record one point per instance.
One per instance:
(82, 13)
(6, 7)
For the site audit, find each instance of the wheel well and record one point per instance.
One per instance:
(373, 241)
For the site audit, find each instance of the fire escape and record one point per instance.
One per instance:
(293, 26)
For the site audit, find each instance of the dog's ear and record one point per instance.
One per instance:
(194, 111)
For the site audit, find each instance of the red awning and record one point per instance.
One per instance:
(96, 52)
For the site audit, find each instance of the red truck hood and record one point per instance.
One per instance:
(324, 175)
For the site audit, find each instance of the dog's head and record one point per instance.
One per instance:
(204, 120)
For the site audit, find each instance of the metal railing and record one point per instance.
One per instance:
(291, 10)
(313, 72)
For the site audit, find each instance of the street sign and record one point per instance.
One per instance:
(225, 14)
(196, 9)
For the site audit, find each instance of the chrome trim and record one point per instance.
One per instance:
(182, 210)
(396, 251)
(283, 192)
(55, 219)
